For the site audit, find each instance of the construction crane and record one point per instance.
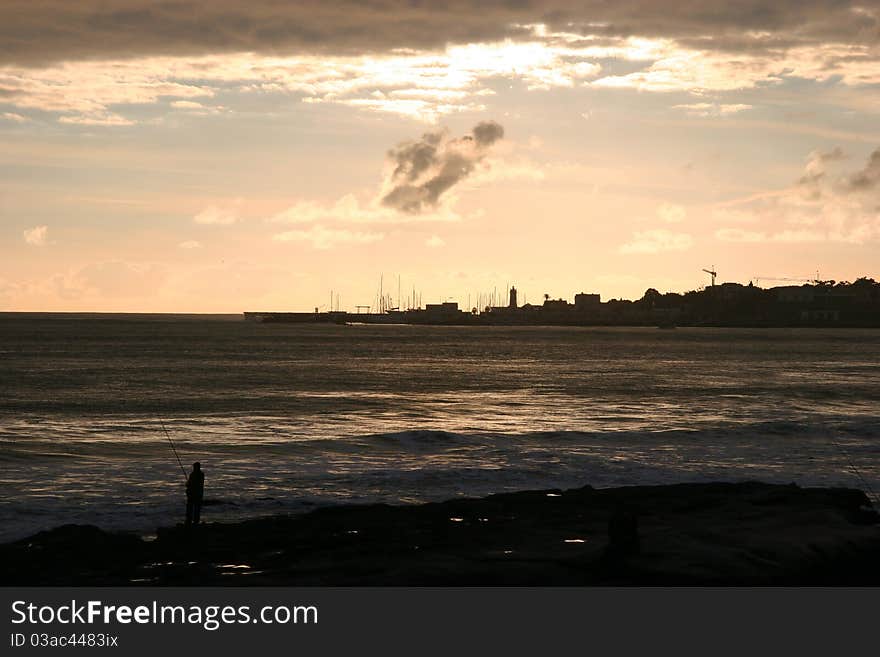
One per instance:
(816, 281)
(756, 279)
(712, 273)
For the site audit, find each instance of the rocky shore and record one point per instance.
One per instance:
(687, 534)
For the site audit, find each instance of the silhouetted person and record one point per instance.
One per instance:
(195, 491)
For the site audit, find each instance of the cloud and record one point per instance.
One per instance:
(739, 235)
(113, 279)
(192, 108)
(425, 169)
(818, 207)
(657, 241)
(190, 244)
(713, 109)
(674, 66)
(868, 178)
(418, 181)
(435, 242)
(37, 235)
(8, 290)
(417, 84)
(732, 215)
(218, 216)
(506, 168)
(186, 104)
(815, 170)
(36, 33)
(12, 116)
(103, 286)
(349, 209)
(374, 67)
(90, 92)
(325, 238)
(102, 119)
(671, 213)
(753, 237)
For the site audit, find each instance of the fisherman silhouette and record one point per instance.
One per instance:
(195, 490)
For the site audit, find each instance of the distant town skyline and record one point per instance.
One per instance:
(225, 156)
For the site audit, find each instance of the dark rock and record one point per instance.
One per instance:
(687, 534)
(623, 535)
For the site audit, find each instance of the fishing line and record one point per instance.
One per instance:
(174, 449)
(858, 474)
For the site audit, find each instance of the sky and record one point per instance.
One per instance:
(220, 156)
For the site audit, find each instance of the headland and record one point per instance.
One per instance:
(810, 304)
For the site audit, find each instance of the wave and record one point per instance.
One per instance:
(130, 442)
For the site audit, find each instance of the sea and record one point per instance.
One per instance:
(285, 418)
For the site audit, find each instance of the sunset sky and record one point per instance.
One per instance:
(220, 156)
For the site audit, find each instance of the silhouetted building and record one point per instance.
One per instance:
(731, 291)
(795, 293)
(445, 308)
(583, 301)
(820, 315)
(725, 304)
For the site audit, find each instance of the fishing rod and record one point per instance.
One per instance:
(173, 448)
(852, 466)
(866, 487)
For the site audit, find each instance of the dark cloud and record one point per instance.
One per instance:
(813, 182)
(869, 177)
(40, 31)
(427, 168)
(815, 171)
(487, 133)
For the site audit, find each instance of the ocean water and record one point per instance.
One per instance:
(286, 417)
